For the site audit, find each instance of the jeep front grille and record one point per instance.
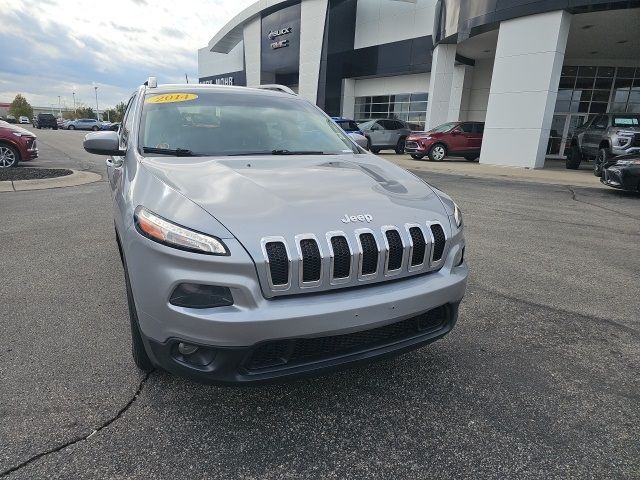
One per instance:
(340, 259)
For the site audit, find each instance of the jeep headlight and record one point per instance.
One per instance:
(160, 230)
(457, 215)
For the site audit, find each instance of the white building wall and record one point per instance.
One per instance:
(524, 87)
(312, 19)
(385, 21)
(460, 92)
(479, 91)
(413, 83)
(212, 63)
(348, 98)
(251, 35)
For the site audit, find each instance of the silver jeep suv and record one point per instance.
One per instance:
(258, 241)
(604, 137)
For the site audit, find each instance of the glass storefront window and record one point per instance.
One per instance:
(408, 107)
(585, 91)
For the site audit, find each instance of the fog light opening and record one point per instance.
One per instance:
(187, 348)
(193, 295)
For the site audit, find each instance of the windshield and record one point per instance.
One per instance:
(626, 121)
(201, 122)
(445, 127)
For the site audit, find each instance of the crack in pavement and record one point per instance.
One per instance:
(574, 197)
(78, 439)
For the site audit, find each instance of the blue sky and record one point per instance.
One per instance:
(56, 47)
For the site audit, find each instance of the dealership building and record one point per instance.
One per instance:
(532, 70)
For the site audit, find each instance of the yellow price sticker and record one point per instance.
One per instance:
(171, 98)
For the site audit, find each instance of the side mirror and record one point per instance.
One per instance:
(455, 132)
(103, 143)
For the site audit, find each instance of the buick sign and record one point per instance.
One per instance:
(278, 33)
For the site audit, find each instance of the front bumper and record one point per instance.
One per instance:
(412, 146)
(622, 178)
(293, 358)
(235, 331)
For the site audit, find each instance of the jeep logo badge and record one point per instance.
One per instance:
(357, 218)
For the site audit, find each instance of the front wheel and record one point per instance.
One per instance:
(601, 160)
(400, 146)
(574, 158)
(437, 152)
(9, 156)
(375, 150)
(95, 129)
(139, 353)
(71, 127)
(415, 156)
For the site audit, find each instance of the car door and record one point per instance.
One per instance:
(378, 134)
(391, 132)
(457, 140)
(115, 164)
(593, 135)
(475, 140)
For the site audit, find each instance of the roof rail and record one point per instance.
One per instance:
(277, 88)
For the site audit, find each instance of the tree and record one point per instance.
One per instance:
(120, 109)
(85, 112)
(20, 107)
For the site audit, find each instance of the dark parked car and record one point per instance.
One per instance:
(16, 145)
(110, 126)
(385, 134)
(623, 172)
(462, 139)
(46, 120)
(11, 119)
(605, 136)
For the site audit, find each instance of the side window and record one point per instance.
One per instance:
(127, 123)
(601, 122)
(479, 128)
(399, 125)
(388, 124)
(466, 127)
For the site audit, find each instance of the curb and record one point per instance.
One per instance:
(546, 176)
(73, 180)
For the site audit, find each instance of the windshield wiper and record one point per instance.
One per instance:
(177, 152)
(297, 152)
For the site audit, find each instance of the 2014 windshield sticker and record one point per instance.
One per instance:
(172, 98)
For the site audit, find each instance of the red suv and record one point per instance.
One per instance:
(16, 145)
(462, 139)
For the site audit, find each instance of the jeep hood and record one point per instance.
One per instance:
(256, 197)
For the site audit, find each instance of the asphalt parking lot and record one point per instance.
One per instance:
(539, 379)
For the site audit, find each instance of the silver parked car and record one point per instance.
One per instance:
(385, 134)
(259, 242)
(606, 136)
(83, 124)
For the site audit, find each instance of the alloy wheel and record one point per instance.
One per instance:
(438, 152)
(7, 157)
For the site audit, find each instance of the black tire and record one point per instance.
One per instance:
(400, 146)
(55, 128)
(95, 129)
(138, 351)
(374, 150)
(437, 152)
(415, 156)
(9, 156)
(71, 127)
(574, 158)
(39, 127)
(471, 158)
(601, 159)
